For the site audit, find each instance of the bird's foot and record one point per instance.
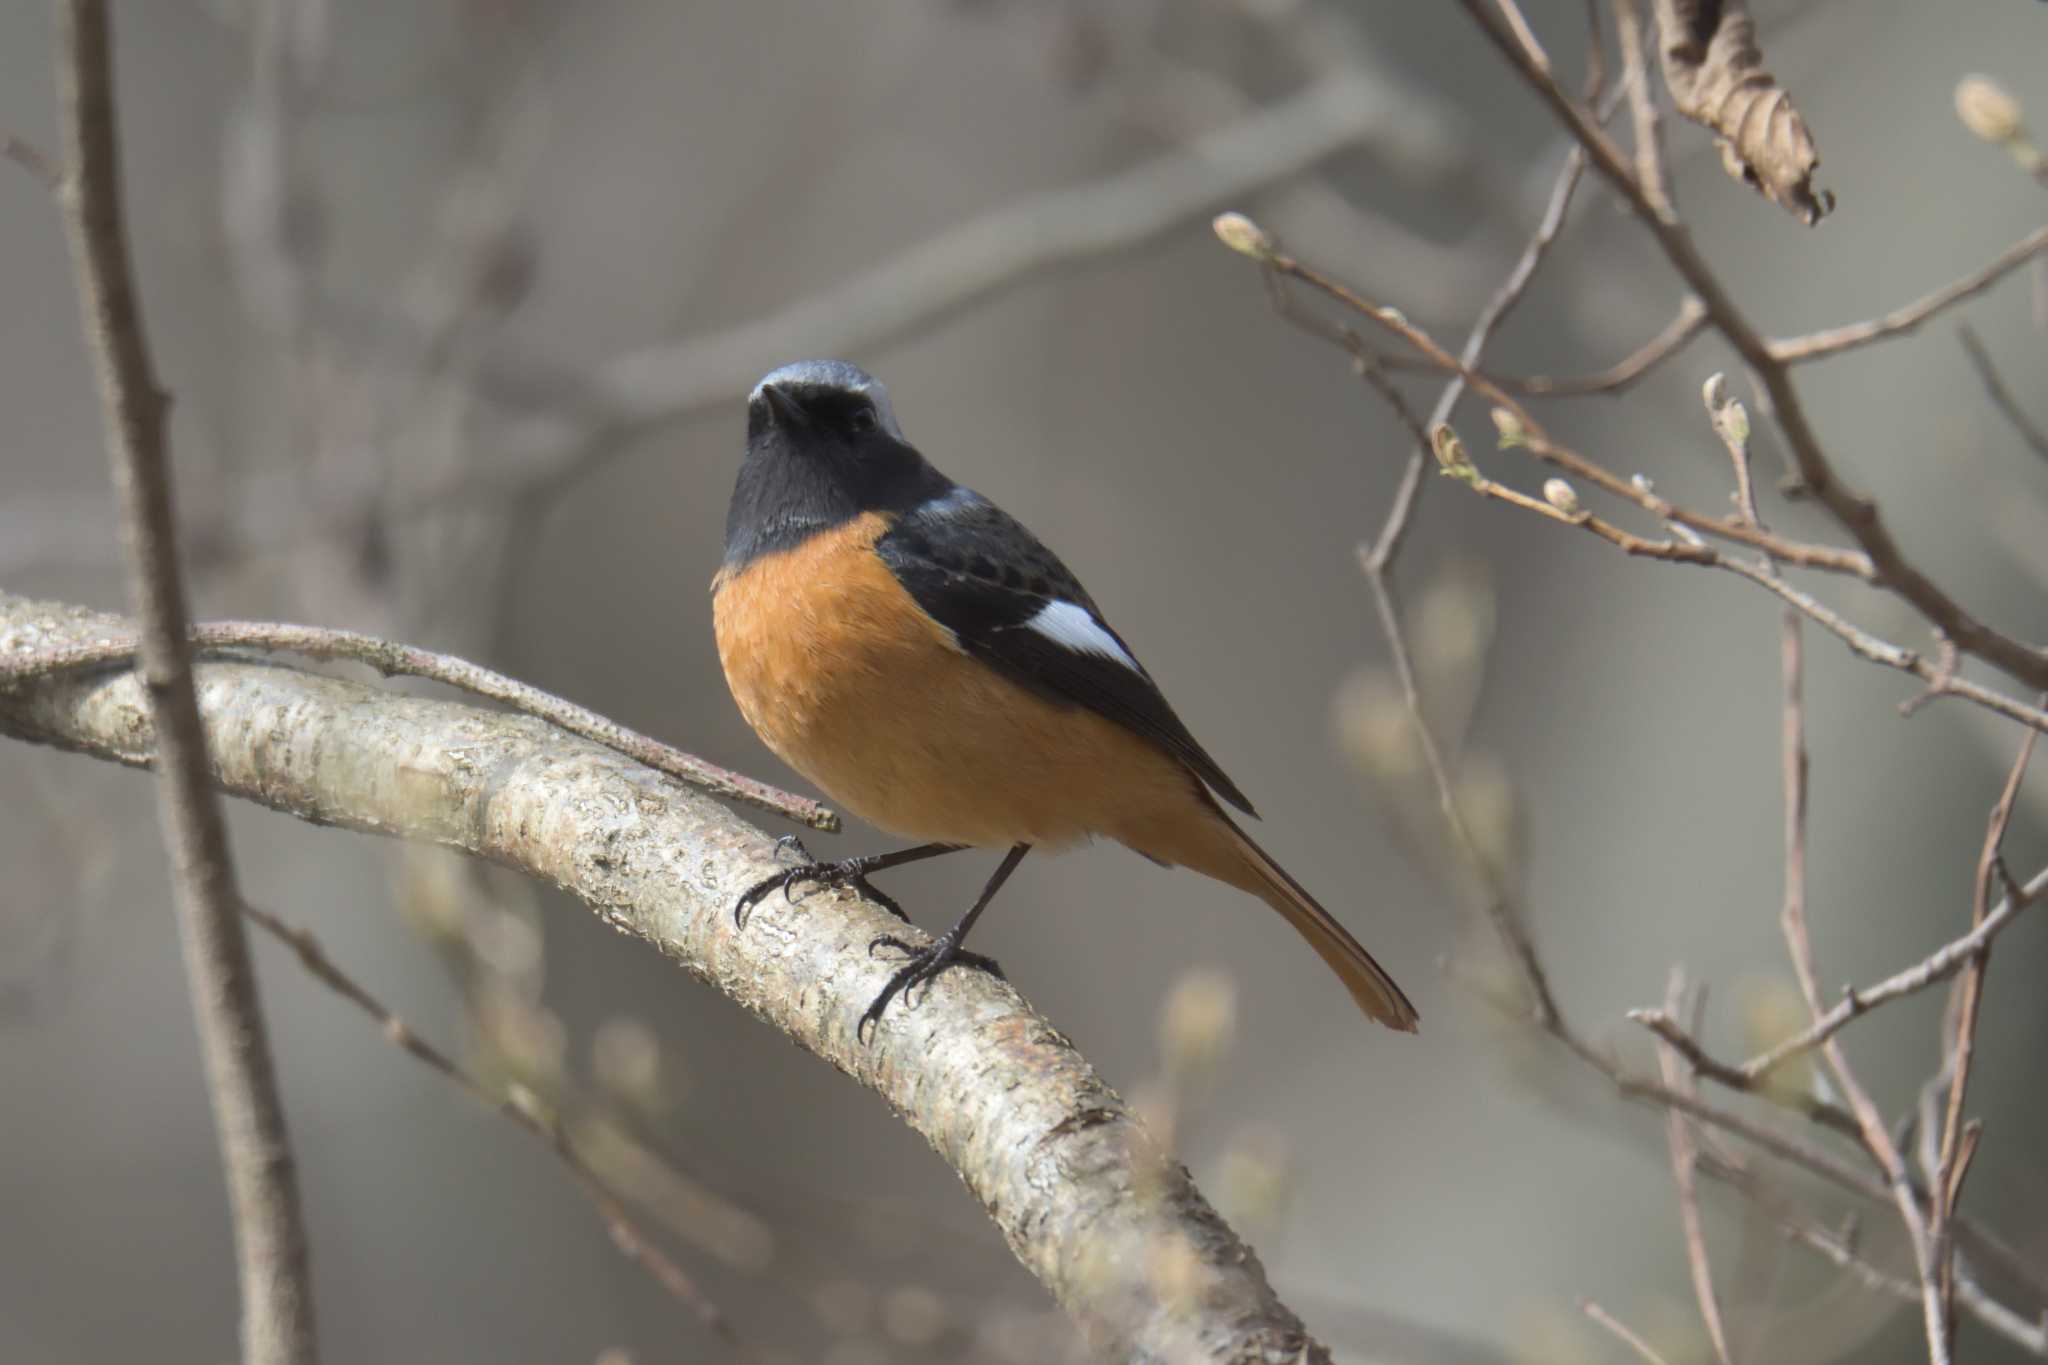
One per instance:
(920, 967)
(807, 870)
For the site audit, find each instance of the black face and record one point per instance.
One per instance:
(821, 450)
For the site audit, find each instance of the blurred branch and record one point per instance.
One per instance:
(1994, 385)
(1032, 235)
(1377, 559)
(392, 659)
(519, 1106)
(32, 159)
(588, 416)
(1622, 1332)
(269, 1231)
(1110, 1223)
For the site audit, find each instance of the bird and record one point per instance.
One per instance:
(919, 655)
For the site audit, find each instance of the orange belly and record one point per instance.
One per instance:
(853, 685)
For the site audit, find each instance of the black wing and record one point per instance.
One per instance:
(1011, 603)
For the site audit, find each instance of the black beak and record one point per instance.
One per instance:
(781, 406)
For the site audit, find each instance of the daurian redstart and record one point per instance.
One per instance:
(912, 649)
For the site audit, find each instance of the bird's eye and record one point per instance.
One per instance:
(861, 421)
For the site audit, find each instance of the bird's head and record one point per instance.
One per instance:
(823, 447)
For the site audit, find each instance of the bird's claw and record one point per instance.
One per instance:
(921, 967)
(846, 872)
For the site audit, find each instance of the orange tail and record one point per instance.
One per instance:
(1228, 854)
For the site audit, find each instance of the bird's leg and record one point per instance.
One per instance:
(923, 964)
(851, 872)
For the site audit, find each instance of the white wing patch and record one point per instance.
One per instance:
(1071, 627)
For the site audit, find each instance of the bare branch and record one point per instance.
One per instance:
(1938, 966)
(1959, 1140)
(1088, 1202)
(1386, 546)
(1898, 322)
(1855, 511)
(392, 659)
(1529, 433)
(1512, 14)
(1687, 323)
(269, 1230)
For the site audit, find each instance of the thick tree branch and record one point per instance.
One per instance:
(393, 659)
(269, 1231)
(1112, 1225)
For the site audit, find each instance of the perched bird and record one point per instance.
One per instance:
(912, 649)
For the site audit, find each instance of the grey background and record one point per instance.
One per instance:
(641, 172)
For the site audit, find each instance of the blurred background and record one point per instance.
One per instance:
(459, 300)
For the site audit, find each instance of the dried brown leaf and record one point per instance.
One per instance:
(1717, 78)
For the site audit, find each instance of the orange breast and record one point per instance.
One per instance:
(853, 685)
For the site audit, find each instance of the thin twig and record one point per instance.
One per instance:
(1936, 967)
(1687, 323)
(1622, 1332)
(1835, 340)
(1377, 559)
(390, 658)
(2001, 396)
(1958, 1139)
(1386, 546)
(1836, 1248)
(1524, 33)
(1642, 104)
(269, 1231)
(1596, 53)
(1532, 435)
(1745, 526)
(2030, 1334)
(635, 1244)
(1877, 1138)
(1684, 1158)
